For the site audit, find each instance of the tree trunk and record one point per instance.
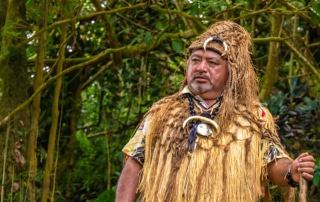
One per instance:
(36, 108)
(14, 85)
(271, 72)
(47, 178)
(73, 104)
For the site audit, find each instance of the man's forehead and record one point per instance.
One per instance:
(208, 52)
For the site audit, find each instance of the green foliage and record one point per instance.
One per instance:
(316, 176)
(107, 196)
(177, 46)
(297, 114)
(315, 12)
(148, 39)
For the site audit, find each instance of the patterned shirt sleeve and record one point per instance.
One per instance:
(274, 152)
(136, 145)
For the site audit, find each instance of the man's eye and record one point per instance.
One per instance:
(212, 63)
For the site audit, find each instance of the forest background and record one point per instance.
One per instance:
(76, 76)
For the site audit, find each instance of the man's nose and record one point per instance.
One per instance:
(203, 66)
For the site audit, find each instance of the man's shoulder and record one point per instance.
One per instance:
(259, 109)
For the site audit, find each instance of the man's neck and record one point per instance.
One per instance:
(210, 102)
(209, 98)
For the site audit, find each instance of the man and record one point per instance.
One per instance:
(212, 140)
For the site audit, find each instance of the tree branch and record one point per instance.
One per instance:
(87, 17)
(301, 57)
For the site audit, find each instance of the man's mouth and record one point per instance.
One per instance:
(201, 79)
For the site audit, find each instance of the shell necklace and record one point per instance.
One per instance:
(203, 125)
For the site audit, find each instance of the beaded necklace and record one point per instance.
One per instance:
(194, 124)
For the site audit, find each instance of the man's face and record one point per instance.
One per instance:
(207, 73)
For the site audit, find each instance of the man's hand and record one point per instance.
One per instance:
(303, 164)
(278, 169)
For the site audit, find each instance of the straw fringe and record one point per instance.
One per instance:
(228, 167)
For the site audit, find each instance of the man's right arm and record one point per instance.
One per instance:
(128, 181)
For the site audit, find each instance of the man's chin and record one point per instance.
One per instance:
(201, 89)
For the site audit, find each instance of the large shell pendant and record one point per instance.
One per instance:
(207, 126)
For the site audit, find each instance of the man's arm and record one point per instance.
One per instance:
(128, 181)
(278, 169)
